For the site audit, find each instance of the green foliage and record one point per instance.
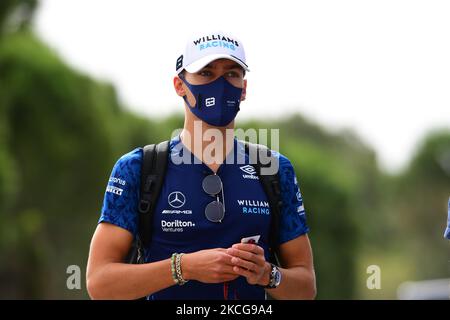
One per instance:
(421, 197)
(16, 14)
(60, 138)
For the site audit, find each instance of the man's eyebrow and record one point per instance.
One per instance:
(228, 67)
(233, 66)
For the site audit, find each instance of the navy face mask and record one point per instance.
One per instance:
(217, 103)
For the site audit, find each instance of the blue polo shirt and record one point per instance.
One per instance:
(180, 224)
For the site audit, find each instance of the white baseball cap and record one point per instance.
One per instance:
(204, 48)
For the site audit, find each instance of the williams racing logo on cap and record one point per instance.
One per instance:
(216, 41)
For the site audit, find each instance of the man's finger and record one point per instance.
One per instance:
(243, 272)
(244, 264)
(245, 255)
(227, 258)
(249, 247)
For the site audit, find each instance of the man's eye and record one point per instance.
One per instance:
(233, 74)
(205, 73)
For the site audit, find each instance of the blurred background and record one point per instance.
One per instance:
(360, 94)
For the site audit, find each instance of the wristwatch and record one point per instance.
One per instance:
(274, 277)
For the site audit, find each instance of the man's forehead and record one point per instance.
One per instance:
(227, 64)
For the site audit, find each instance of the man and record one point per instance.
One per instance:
(196, 250)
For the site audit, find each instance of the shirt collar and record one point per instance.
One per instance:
(180, 154)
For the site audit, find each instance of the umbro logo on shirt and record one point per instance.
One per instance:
(250, 172)
(248, 169)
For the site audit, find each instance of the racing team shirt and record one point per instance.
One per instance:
(179, 221)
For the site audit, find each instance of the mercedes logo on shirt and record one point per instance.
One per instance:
(176, 199)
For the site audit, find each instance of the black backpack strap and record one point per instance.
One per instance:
(153, 171)
(271, 186)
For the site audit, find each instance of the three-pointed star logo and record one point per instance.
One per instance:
(176, 199)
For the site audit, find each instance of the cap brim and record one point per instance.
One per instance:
(201, 63)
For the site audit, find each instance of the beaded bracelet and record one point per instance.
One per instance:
(175, 266)
(179, 274)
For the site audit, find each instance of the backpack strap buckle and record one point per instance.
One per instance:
(144, 206)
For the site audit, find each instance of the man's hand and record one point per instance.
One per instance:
(249, 261)
(208, 266)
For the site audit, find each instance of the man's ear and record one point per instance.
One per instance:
(244, 90)
(182, 90)
(178, 85)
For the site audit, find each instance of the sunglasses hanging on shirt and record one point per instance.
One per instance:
(215, 210)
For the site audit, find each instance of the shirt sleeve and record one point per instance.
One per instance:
(120, 203)
(293, 220)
